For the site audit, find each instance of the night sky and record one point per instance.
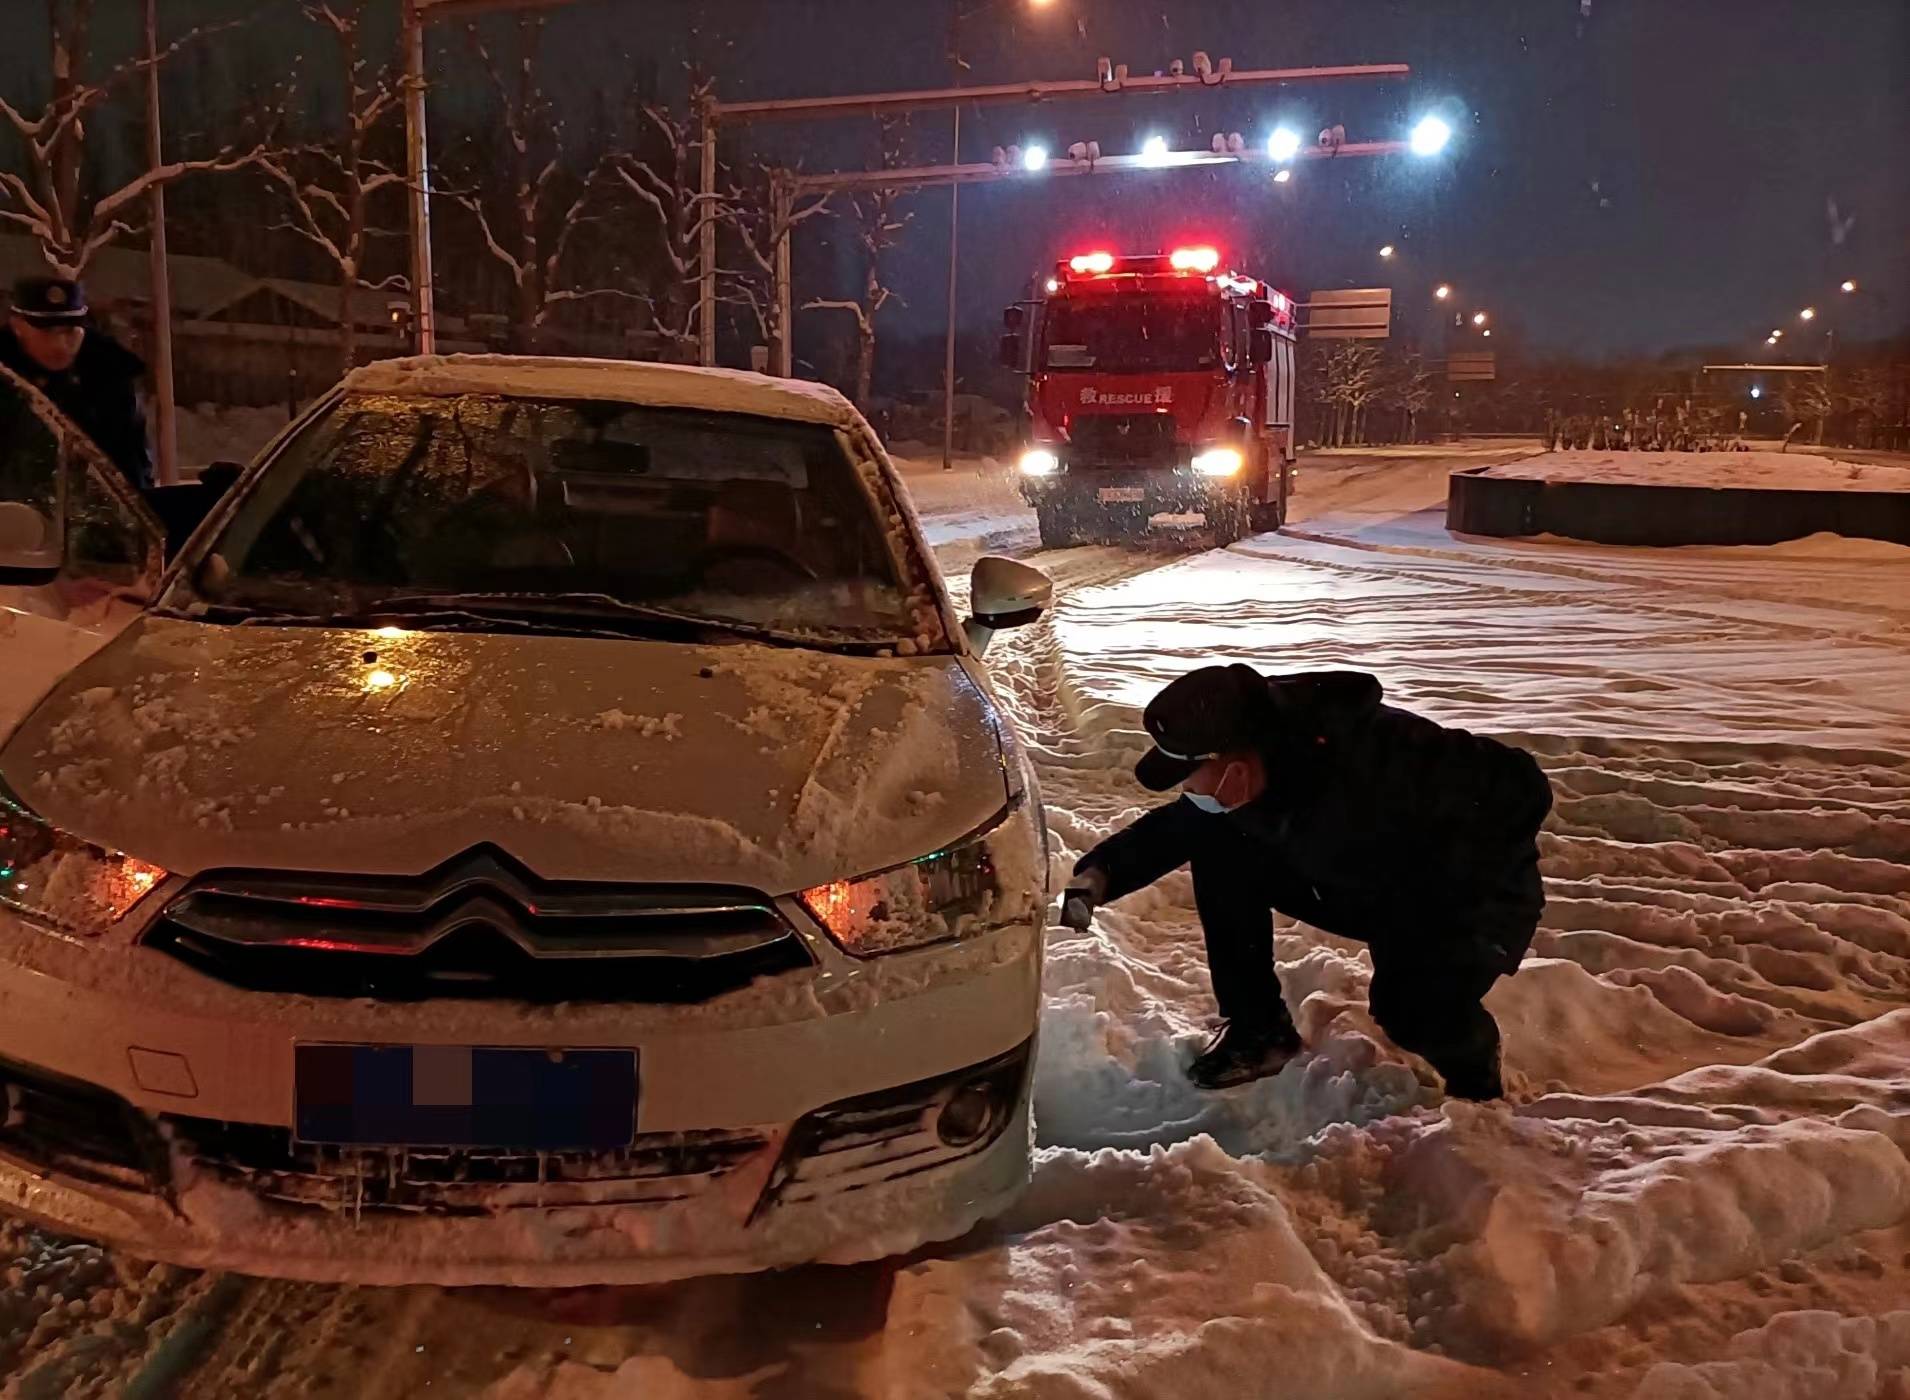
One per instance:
(1629, 175)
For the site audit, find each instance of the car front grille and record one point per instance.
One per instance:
(655, 1170)
(1122, 439)
(54, 1124)
(479, 927)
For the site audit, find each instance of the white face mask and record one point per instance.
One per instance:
(1207, 803)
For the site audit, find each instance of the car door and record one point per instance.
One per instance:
(80, 552)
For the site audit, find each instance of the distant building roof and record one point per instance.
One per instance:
(211, 289)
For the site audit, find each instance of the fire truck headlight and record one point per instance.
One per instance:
(1039, 461)
(1219, 461)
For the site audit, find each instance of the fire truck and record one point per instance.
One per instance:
(1157, 384)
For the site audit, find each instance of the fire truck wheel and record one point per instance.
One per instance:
(1056, 524)
(1228, 521)
(1268, 517)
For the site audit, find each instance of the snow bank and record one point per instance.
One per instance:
(1759, 471)
(1797, 1356)
(1174, 1274)
(622, 381)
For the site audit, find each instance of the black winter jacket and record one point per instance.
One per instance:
(1376, 823)
(100, 393)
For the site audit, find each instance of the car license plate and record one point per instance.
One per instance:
(1110, 495)
(462, 1096)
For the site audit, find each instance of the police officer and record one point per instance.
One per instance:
(1307, 795)
(49, 342)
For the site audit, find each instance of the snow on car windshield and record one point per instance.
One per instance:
(722, 516)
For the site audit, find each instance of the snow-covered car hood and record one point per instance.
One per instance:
(196, 747)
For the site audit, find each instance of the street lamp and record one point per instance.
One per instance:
(1430, 136)
(1809, 313)
(1387, 251)
(1478, 318)
(1442, 291)
(1847, 286)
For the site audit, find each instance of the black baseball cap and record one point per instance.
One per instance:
(49, 301)
(1205, 712)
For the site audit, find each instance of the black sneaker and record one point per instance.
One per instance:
(1477, 1083)
(1242, 1052)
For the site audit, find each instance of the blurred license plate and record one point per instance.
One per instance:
(460, 1096)
(1109, 495)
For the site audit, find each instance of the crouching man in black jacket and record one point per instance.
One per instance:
(1305, 794)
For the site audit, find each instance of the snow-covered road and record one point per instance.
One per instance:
(1700, 1188)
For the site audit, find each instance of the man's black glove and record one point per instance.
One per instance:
(1083, 895)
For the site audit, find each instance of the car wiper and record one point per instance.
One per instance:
(607, 607)
(445, 620)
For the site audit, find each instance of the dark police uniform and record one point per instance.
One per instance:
(1376, 825)
(100, 390)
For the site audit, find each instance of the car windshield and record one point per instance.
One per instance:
(598, 508)
(1133, 333)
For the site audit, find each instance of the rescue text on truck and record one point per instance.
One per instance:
(1157, 384)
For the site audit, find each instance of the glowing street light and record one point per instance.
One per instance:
(1809, 313)
(1387, 251)
(1430, 137)
(1776, 334)
(1847, 286)
(1770, 340)
(1034, 159)
(1478, 318)
(1442, 291)
(1284, 144)
(1757, 391)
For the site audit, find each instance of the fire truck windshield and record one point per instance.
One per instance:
(1132, 334)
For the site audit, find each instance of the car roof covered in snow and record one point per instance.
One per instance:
(620, 381)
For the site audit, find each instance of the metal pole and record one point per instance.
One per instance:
(948, 366)
(785, 202)
(165, 432)
(706, 242)
(424, 320)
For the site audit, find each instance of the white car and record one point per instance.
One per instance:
(549, 825)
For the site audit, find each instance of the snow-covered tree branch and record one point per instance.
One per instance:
(47, 194)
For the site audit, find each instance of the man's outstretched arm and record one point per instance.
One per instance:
(1140, 853)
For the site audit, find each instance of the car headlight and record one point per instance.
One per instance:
(61, 882)
(1039, 461)
(1219, 461)
(958, 892)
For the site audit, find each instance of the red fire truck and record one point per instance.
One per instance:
(1157, 384)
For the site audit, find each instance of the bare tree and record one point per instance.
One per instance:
(531, 225)
(47, 195)
(1345, 377)
(1409, 389)
(661, 174)
(759, 221)
(878, 228)
(1806, 399)
(329, 187)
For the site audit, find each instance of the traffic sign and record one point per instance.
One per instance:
(1362, 313)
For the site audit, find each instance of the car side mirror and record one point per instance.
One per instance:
(1262, 314)
(1011, 352)
(1004, 593)
(29, 541)
(1262, 348)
